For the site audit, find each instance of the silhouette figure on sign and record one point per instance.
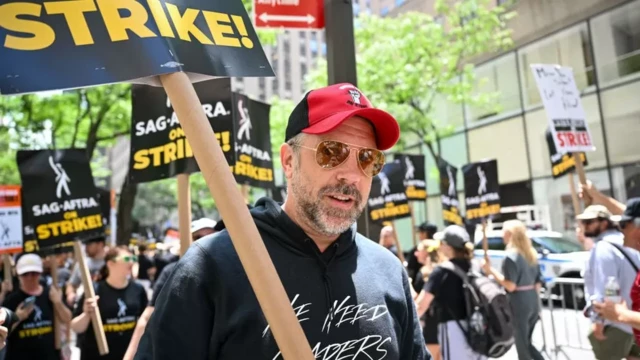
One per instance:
(245, 122)
(482, 188)
(410, 168)
(384, 183)
(61, 178)
(452, 182)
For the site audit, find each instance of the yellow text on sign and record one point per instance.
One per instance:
(390, 211)
(452, 217)
(29, 28)
(568, 162)
(413, 193)
(483, 211)
(245, 167)
(70, 225)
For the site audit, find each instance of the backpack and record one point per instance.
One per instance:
(490, 322)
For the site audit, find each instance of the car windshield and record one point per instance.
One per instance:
(558, 245)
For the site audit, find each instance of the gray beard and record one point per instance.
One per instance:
(316, 213)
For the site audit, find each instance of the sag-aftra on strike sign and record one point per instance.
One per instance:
(87, 42)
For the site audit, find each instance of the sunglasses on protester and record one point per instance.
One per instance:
(331, 154)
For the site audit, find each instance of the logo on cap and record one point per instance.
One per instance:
(355, 95)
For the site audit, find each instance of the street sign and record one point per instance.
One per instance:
(293, 14)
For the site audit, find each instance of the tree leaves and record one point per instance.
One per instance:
(411, 64)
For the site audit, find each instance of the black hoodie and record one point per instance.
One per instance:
(352, 301)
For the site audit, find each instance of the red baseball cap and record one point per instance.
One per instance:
(324, 109)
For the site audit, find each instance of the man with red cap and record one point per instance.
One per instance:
(352, 297)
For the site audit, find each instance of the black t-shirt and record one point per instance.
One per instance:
(446, 288)
(144, 265)
(120, 310)
(32, 338)
(162, 279)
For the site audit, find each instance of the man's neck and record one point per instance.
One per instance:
(322, 241)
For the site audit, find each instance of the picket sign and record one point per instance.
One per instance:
(184, 211)
(414, 233)
(53, 268)
(89, 293)
(574, 195)
(245, 236)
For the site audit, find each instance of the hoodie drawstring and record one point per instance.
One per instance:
(325, 274)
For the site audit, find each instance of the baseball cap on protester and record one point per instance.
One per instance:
(428, 228)
(455, 236)
(324, 109)
(595, 212)
(29, 263)
(631, 212)
(204, 223)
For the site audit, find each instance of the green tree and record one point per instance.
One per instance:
(278, 118)
(407, 63)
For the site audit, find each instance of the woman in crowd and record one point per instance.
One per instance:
(445, 288)
(521, 278)
(120, 301)
(428, 254)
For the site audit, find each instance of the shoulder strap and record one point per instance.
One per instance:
(456, 270)
(621, 249)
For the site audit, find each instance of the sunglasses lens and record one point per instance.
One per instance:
(371, 161)
(330, 154)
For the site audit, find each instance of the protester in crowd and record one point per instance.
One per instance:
(521, 278)
(388, 239)
(619, 312)
(425, 232)
(59, 261)
(120, 301)
(586, 242)
(146, 267)
(613, 256)
(95, 252)
(323, 263)
(199, 228)
(445, 288)
(429, 256)
(32, 337)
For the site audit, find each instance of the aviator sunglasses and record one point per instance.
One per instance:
(331, 154)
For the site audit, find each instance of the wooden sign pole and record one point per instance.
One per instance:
(6, 261)
(184, 212)
(53, 269)
(485, 242)
(583, 178)
(89, 293)
(246, 239)
(574, 195)
(414, 233)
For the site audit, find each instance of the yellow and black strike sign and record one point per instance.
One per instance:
(159, 148)
(47, 45)
(561, 164)
(449, 194)
(253, 165)
(481, 190)
(414, 176)
(387, 199)
(59, 196)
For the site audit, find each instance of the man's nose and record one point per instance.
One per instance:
(350, 171)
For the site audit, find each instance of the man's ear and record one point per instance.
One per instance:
(287, 160)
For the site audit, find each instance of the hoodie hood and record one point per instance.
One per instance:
(270, 218)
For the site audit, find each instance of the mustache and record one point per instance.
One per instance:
(342, 189)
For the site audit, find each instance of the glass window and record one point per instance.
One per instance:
(626, 182)
(621, 110)
(384, 11)
(537, 121)
(503, 141)
(448, 113)
(454, 151)
(556, 194)
(570, 47)
(616, 40)
(501, 76)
